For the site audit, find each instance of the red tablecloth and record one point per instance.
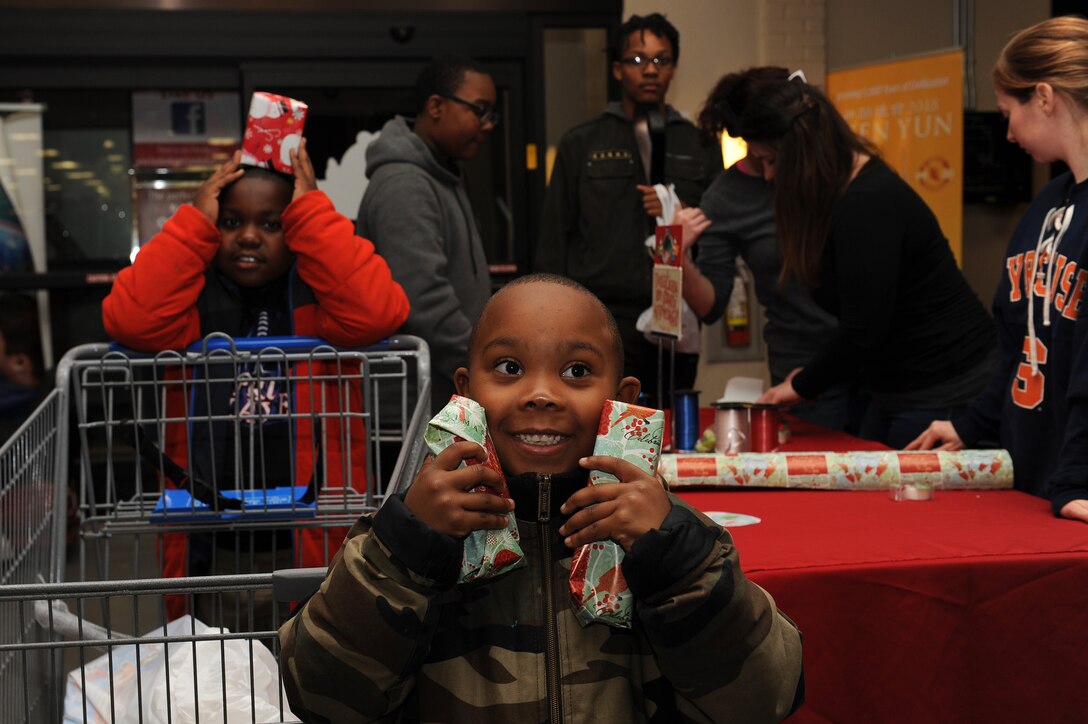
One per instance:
(972, 607)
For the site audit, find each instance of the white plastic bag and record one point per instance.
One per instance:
(196, 680)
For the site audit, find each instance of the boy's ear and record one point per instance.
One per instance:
(628, 390)
(460, 382)
(434, 107)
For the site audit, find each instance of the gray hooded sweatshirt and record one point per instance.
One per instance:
(418, 216)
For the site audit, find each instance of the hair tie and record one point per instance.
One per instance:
(798, 75)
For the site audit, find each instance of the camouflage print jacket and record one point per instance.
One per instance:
(389, 637)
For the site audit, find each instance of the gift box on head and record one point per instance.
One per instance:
(273, 130)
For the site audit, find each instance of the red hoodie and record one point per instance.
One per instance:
(347, 297)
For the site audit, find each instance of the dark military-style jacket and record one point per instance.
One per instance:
(594, 226)
(390, 637)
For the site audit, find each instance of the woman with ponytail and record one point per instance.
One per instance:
(872, 253)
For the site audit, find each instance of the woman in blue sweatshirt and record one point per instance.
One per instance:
(1037, 403)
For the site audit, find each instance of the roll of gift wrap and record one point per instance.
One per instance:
(597, 586)
(487, 552)
(856, 470)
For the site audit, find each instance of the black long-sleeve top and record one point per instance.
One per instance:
(907, 318)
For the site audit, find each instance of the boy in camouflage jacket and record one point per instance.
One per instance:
(391, 637)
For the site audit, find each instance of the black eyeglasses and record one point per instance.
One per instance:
(487, 114)
(641, 61)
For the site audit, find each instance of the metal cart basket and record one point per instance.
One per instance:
(245, 451)
(32, 498)
(107, 651)
(260, 451)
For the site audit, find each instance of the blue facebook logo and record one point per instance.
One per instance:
(187, 118)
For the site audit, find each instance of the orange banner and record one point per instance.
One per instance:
(913, 111)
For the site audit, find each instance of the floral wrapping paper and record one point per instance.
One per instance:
(857, 470)
(597, 586)
(488, 553)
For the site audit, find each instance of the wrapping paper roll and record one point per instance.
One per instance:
(597, 586)
(487, 552)
(857, 470)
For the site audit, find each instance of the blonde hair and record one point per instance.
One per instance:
(1054, 51)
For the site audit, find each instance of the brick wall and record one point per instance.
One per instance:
(792, 33)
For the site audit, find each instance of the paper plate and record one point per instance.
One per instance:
(731, 520)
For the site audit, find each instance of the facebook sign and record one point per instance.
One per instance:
(187, 118)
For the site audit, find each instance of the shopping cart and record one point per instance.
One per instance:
(156, 457)
(33, 498)
(242, 445)
(108, 651)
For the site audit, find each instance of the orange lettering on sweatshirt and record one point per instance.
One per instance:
(1015, 265)
(1072, 307)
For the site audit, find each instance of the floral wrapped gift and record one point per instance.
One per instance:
(488, 553)
(597, 586)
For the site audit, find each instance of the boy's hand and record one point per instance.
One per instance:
(623, 511)
(439, 495)
(305, 178)
(207, 196)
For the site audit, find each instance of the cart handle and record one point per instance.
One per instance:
(217, 341)
(214, 342)
(296, 584)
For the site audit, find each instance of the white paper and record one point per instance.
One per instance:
(742, 389)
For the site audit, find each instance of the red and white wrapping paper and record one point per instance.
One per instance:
(273, 130)
(856, 470)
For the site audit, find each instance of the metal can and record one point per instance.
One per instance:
(731, 427)
(763, 427)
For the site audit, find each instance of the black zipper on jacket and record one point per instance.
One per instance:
(551, 635)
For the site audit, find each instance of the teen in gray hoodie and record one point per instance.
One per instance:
(417, 214)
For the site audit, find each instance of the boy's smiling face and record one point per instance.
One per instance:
(542, 364)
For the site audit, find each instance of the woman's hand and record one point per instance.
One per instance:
(940, 434)
(782, 394)
(623, 511)
(207, 196)
(1076, 510)
(694, 222)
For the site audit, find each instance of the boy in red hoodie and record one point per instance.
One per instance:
(257, 253)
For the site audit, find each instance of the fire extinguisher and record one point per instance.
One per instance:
(736, 314)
